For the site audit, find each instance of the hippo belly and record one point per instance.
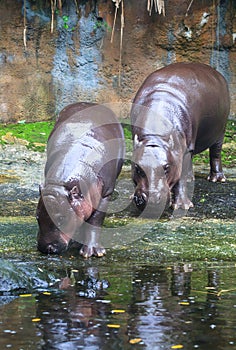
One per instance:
(85, 153)
(179, 111)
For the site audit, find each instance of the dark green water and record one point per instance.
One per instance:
(110, 305)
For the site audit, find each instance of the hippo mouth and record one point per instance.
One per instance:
(59, 242)
(55, 247)
(153, 204)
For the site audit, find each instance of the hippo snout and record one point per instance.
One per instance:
(152, 204)
(55, 247)
(52, 241)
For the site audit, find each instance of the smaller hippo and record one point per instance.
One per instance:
(85, 153)
(180, 110)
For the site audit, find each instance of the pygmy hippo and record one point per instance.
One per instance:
(180, 110)
(85, 152)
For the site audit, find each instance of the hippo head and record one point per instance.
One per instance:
(61, 211)
(156, 168)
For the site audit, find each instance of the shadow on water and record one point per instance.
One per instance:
(171, 288)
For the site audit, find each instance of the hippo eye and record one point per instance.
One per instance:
(75, 193)
(166, 168)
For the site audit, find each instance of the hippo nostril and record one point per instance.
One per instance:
(140, 200)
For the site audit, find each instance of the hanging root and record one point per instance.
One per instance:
(159, 6)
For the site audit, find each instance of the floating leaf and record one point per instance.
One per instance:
(117, 311)
(225, 291)
(178, 346)
(184, 303)
(135, 340)
(25, 295)
(46, 293)
(36, 319)
(113, 325)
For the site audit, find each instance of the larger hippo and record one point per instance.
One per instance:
(180, 110)
(85, 153)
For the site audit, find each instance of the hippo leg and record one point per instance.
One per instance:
(216, 172)
(92, 231)
(183, 189)
(181, 197)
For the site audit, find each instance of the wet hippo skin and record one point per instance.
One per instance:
(85, 153)
(180, 110)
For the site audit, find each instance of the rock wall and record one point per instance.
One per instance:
(78, 61)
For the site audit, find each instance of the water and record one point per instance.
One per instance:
(190, 305)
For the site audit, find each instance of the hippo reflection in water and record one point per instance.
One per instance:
(85, 153)
(180, 110)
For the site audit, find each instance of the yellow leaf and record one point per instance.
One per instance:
(39, 144)
(25, 295)
(178, 346)
(46, 293)
(184, 303)
(22, 142)
(8, 138)
(113, 325)
(135, 341)
(36, 319)
(117, 311)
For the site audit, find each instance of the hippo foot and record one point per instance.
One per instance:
(88, 251)
(216, 177)
(182, 204)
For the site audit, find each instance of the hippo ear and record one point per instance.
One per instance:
(137, 143)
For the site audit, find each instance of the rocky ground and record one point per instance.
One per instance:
(20, 176)
(22, 173)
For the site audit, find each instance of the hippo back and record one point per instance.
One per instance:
(192, 98)
(86, 140)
